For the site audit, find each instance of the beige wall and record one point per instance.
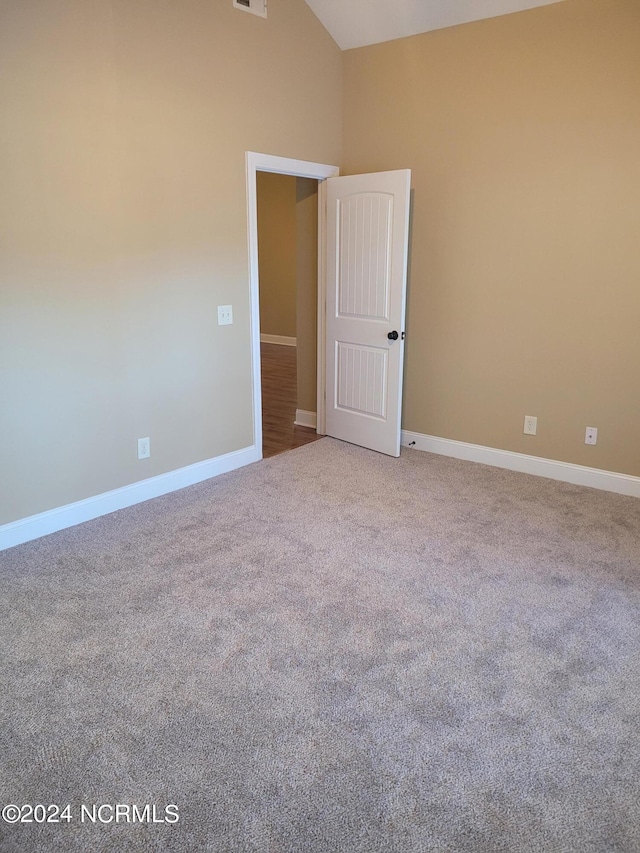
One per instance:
(523, 134)
(277, 253)
(123, 225)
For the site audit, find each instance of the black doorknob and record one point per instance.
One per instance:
(393, 336)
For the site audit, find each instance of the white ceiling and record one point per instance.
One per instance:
(354, 23)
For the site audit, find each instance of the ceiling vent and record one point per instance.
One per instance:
(256, 7)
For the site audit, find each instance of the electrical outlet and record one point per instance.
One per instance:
(530, 425)
(225, 315)
(144, 448)
(591, 435)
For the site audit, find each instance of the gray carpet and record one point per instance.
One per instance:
(331, 651)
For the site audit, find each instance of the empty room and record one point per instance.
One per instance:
(419, 631)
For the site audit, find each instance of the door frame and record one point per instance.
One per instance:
(256, 162)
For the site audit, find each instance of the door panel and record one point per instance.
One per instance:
(361, 379)
(364, 277)
(367, 243)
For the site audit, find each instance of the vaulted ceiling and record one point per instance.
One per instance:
(354, 23)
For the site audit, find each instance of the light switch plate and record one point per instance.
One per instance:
(225, 315)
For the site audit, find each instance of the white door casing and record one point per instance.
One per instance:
(367, 249)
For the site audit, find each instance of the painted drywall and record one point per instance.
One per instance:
(523, 135)
(123, 225)
(307, 292)
(277, 253)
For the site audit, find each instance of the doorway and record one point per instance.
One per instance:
(301, 169)
(288, 265)
(363, 242)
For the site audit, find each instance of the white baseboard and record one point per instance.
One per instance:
(278, 339)
(26, 529)
(579, 475)
(306, 419)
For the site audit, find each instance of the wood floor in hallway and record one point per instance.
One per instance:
(279, 394)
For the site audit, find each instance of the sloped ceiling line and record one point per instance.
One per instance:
(355, 23)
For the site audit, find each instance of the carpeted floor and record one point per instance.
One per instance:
(331, 651)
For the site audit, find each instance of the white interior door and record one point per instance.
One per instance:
(367, 246)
